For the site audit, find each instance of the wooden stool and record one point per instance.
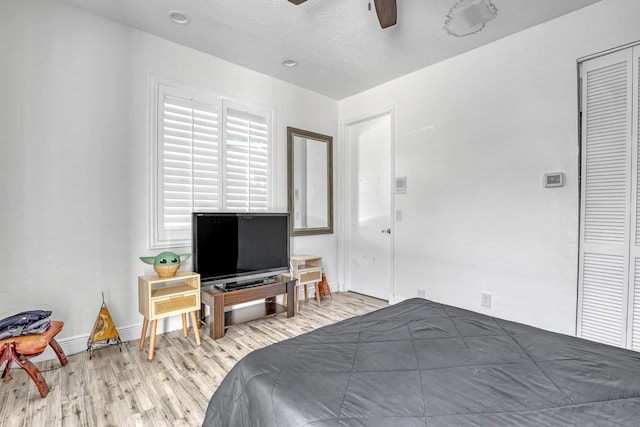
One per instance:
(21, 348)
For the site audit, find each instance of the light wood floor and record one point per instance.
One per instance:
(124, 389)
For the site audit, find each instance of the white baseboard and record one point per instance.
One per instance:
(78, 343)
(396, 299)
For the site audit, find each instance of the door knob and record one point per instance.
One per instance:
(386, 230)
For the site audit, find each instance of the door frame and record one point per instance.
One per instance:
(344, 190)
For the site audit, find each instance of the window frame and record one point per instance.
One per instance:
(159, 88)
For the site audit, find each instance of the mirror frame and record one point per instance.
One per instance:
(291, 134)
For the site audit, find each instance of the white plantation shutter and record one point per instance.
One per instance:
(199, 170)
(188, 165)
(247, 159)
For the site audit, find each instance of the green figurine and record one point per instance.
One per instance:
(166, 263)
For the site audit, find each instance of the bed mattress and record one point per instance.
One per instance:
(420, 363)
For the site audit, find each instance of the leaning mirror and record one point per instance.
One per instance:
(310, 182)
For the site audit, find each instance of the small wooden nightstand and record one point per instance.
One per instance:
(308, 270)
(160, 297)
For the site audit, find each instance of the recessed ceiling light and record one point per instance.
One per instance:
(289, 62)
(179, 17)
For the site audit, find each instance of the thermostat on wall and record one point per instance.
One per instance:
(554, 179)
(401, 185)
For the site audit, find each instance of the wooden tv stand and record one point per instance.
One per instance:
(218, 299)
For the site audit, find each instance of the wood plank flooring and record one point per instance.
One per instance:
(124, 389)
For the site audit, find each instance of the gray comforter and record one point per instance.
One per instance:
(419, 363)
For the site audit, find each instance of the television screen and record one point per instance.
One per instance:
(234, 247)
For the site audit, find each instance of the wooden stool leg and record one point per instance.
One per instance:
(58, 351)
(284, 300)
(145, 322)
(5, 373)
(152, 339)
(4, 357)
(306, 294)
(298, 299)
(31, 369)
(318, 293)
(194, 325)
(184, 324)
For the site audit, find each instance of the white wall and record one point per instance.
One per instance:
(74, 162)
(474, 136)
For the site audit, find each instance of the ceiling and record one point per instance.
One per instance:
(339, 45)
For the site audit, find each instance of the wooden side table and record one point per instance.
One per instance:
(308, 270)
(160, 297)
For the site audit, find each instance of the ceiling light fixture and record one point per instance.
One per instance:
(289, 62)
(179, 17)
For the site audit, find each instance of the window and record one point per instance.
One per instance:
(209, 154)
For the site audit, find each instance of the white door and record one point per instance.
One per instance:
(609, 276)
(368, 221)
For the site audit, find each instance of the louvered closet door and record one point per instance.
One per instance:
(633, 322)
(606, 198)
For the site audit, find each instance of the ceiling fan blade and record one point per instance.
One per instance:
(297, 1)
(387, 12)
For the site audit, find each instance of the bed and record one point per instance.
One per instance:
(420, 363)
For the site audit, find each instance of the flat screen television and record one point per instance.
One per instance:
(236, 249)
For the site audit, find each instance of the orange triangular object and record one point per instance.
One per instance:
(103, 330)
(324, 288)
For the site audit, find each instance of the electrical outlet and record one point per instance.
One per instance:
(421, 293)
(485, 299)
